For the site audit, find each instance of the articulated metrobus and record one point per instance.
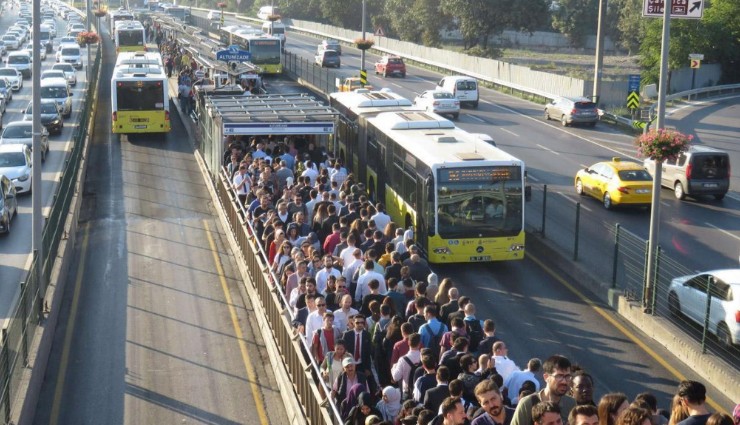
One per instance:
(139, 100)
(130, 36)
(464, 197)
(353, 105)
(116, 16)
(266, 50)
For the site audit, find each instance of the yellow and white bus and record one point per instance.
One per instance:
(130, 36)
(139, 100)
(116, 16)
(463, 196)
(139, 59)
(266, 50)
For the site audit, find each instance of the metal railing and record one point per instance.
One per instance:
(701, 93)
(306, 71)
(313, 393)
(16, 335)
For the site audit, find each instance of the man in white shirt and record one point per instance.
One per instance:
(401, 371)
(504, 365)
(315, 319)
(365, 278)
(310, 172)
(381, 218)
(242, 183)
(347, 254)
(519, 377)
(345, 311)
(323, 275)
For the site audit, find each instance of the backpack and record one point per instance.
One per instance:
(409, 392)
(434, 344)
(475, 334)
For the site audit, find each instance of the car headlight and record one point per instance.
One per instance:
(55, 122)
(24, 177)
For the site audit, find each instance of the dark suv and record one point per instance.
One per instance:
(572, 110)
(392, 65)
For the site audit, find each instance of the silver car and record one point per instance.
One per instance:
(572, 110)
(22, 132)
(439, 101)
(69, 72)
(13, 76)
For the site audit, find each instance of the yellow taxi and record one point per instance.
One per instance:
(616, 182)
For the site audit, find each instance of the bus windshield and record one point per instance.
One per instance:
(140, 96)
(131, 38)
(479, 202)
(265, 51)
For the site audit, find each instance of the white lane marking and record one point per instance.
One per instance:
(665, 204)
(476, 118)
(548, 149)
(733, 196)
(397, 85)
(508, 131)
(584, 166)
(723, 231)
(486, 102)
(531, 177)
(675, 109)
(614, 142)
(574, 201)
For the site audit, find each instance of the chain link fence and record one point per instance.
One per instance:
(18, 332)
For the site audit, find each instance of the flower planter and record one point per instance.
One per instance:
(364, 44)
(662, 144)
(273, 18)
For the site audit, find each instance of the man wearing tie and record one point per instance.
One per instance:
(358, 344)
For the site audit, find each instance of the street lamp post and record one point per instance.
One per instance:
(599, 51)
(362, 52)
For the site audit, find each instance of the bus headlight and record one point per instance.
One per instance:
(516, 247)
(442, 250)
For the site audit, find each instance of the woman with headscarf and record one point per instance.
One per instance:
(362, 410)
(351, 400)
(390, 405)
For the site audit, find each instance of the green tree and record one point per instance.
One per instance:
(721, 41)
(686, 38)
(630, 23)
(576, 19)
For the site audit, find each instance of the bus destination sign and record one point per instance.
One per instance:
(478, 174)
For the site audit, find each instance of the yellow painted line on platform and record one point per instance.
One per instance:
(67, 345)
(619, 327)
(251, 375)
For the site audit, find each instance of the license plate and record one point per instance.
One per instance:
(481, 258)
(643, 191)
(710, 184)
(139, 127)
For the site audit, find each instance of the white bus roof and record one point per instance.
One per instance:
(125, 71)
(359, 101)
(436, 140)
(129, 25)
(139, 58)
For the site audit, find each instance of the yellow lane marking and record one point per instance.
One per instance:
(237, 329)
(63, 362)
(619, 327)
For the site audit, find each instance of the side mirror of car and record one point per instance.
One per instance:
(71, 94)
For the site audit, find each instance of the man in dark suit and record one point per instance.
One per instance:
(359, 338)
(435, 396)
(326, 225)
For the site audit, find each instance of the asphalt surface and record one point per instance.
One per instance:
(15, 247)
(154, 328)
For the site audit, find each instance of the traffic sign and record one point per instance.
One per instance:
(233, 53)
(681, 9)
(695, 64)
(696, 56)
(633, 100)
(634, 83)
(379, 32)
(363, 77)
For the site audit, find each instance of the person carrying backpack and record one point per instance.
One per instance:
(431, 332)
(474, 329)
(402, 372)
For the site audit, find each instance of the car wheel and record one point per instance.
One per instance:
(475, 104)
(455, 116)
(547, 115)
(719, 197)
(403, 75)
(678, 191)
(579, 187)
(592, 124)
(7, 229)
(607, 201)
(674, 306)
(385, 74)
(564, 121)
(723, 335)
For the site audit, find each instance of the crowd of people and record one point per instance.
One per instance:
(394, 343)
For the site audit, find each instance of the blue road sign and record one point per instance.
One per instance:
(634, 83)
(234, 54)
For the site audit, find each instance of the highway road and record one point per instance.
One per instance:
(15, 248)
(154, 328)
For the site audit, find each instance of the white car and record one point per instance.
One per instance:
(15, 164)
(67, 40)
(69, 72)
(3, 49)
(687, 296)
(53, 73)
(21, 132)
(42, 52)
(439, 101)
(13, 76)
(11, 42)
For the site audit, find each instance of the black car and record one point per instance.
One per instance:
(50, 116)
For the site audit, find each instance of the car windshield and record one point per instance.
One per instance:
(63, 68)
(330, 53)
(12, 159)
(17, 132)
(17, 59)
(466, 85)
(46, 108)
(3, 84)
(585, 105)
(443, 95)
(395, 61)
(634, 176)
(71, 52)
(8, 73)
(53, 92)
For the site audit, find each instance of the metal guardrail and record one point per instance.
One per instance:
(314, 394)
(18, 331)
(697, 93)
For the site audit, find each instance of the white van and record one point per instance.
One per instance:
(266, 11)
(70, 53)
(58, 90)
(464, 88)
(21, 61)
(275, 29)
